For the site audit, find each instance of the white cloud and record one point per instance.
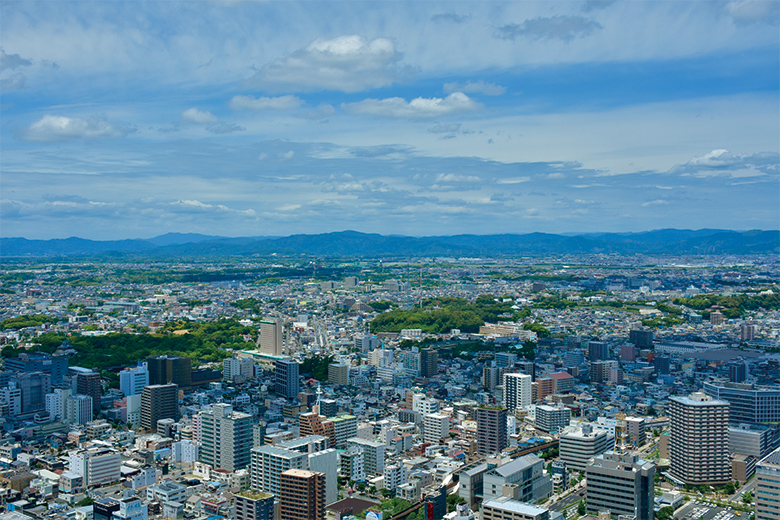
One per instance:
(475, 87)
(347, 63)
(564, 28)
(202, 207)
(657, 202)
(15, 82)
(60, 128)
(722, 162)
(265, 103)
(198, 117)
(513, 180)
(419, 108)
(749, 12)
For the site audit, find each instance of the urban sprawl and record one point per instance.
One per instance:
(534, 388)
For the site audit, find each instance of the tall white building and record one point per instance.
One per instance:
(581, 443)
(56, 403)
(95, 466)
(133, 380)
(395, 475)
(768, 487)
(380, 357)
(268, 464)
(225, 437)
(424, 404)
(11, 397)
(437, 426)
(517, 391)
(271, 337)
(78, 409)
(326, 462)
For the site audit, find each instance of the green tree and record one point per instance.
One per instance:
(747, 497)
(581, 509)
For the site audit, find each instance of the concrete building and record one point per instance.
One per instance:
(395, 475)
(437, 426)
(303, 495)
(699, 440)
(225, 438)
(286, 378)
(55, 366)
(55, 403)
(95, 466)
(338, 374)
(271, 337)
(159, 402)
(351, 464)
(133, 380)
(268, 464)
(577, 445)
(344, 427)
(747, 403)
(552, 419)
(768, 487)
(517, 391)
(78, 409)
(33, 387)
(756, 440)
(598, 351)
(88, 383)
(131, 509)
(491, 429)
(254, 506)
(169, 369)
(429, 363)
(522, 479)
(373, 455)
(622, 484)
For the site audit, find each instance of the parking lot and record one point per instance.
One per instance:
(698, 511)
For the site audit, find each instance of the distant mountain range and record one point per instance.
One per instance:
(354, 244)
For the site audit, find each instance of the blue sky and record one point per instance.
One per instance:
(243, 118)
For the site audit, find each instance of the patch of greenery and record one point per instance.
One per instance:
(441, 315)
(317, 366)
(21, 322)
(734, 306)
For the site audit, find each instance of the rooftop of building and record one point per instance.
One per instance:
(772, 459)
(255, 495)
(519, 464)
(514, 506)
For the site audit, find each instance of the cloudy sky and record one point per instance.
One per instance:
(241, 118)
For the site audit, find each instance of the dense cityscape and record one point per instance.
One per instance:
(533, 388)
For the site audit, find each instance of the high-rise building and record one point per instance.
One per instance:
(33, 387)
(699, 440)
(491, 429)
(55, 403)
(373, 455)
(159, 402)
(338, 374)
(490, 377)
(254, 505)
(747, 332)
(429, 362)
(580, 443)
(315, 424)
(747, 403)
(133, 380)
(768, 487)
(552, 419)
(437, 426)
(169, 369)
(88, 383)
(286, 379)
(344, 428)
(78, 409)
(738, 372)
(95, 465)
(268, 464)
(620, 483)
(517, 391)
(302, 495)
(641, 338)
(225, 438)
(505, 359)
(55, 366)
(599, 370)
(271, 337)
(598, 351)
